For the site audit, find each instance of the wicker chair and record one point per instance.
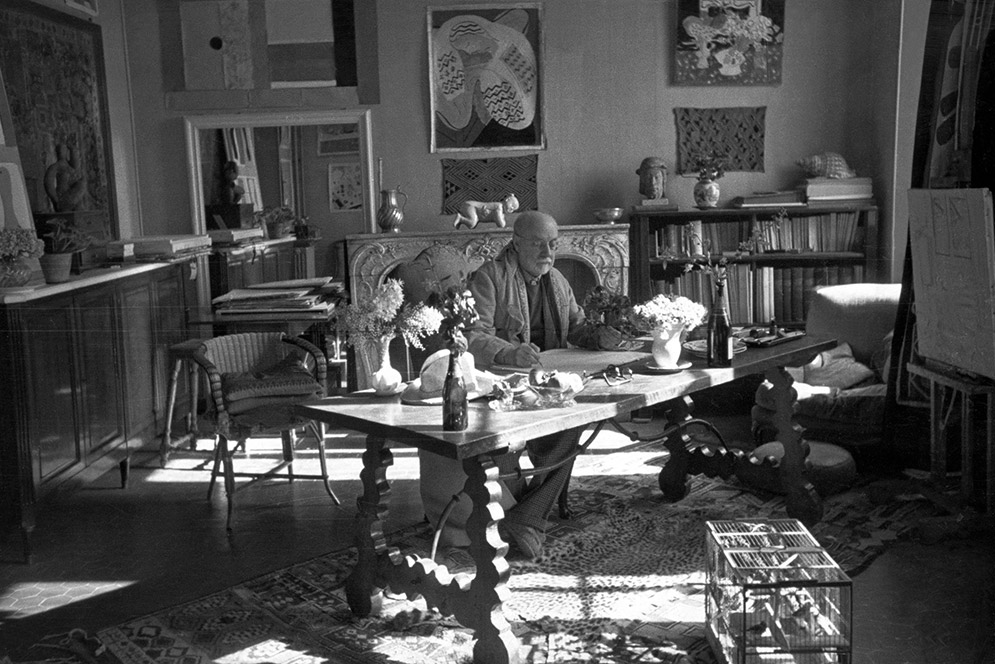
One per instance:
(256, 379)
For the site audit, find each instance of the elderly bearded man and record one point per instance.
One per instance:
(525, 306)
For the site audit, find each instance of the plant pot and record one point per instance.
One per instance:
(56, 267)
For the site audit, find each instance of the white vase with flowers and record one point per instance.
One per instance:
(667, 318)
(373, 322)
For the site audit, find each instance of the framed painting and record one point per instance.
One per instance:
(485, 70)
(87, 6)
(729, 42)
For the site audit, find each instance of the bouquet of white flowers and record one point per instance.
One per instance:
(668, 310)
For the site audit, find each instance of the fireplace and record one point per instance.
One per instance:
(588, 255)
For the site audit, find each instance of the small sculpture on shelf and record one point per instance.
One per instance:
(473, 212)
(652, 174)
(231, 190)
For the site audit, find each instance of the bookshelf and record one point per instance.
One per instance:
(815, 246)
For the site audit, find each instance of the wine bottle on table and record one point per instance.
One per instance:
(720, 337)
(454, 395)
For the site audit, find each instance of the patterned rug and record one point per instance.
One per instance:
(620, 582)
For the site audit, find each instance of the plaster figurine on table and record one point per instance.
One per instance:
(652, 174)
(473, 212)
(232, 191)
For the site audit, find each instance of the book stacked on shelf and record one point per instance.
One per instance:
(838, 191)
(270, 300)
(235, 236)
(157, 247)
(828, 231)
(764, 199)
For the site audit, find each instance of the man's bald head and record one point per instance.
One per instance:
(535, 239)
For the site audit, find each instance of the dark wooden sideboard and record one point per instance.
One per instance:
(85, 370)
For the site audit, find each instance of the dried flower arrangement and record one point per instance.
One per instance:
(18, 243)
(385, 314)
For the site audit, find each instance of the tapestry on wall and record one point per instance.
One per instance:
(729, 42)
(734, 136)
(53, 72)
(489, 180)
(485, 74)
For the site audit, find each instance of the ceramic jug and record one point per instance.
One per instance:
(391, 212)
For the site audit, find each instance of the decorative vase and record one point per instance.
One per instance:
(386, 380)
(14, 272)
(56, 267)
(454, 397)
(666, 348)
(390, 216)
(706, 193)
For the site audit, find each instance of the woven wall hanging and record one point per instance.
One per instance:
(489, 180)
(735, 134)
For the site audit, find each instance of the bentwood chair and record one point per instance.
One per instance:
(256, 379)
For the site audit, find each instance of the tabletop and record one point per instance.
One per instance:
(493, 431)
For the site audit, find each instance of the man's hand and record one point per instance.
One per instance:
(522, 355)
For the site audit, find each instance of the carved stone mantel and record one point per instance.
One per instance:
(603, 248)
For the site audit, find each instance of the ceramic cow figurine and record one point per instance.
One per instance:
(473, 212)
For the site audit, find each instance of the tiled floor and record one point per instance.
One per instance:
(104, 555)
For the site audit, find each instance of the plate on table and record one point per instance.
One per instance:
(699, 347)
(681, 366)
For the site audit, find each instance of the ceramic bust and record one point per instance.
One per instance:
(652, 178)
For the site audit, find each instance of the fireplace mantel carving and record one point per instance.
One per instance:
(604, 249)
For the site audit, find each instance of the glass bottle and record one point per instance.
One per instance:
(454, 397)
(720, 337)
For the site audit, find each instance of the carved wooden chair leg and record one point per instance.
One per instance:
(288, 438)
(216, 467)
(318, 429)
(229, 479)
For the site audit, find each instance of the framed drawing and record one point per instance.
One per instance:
(53, 71)
(338, 140)
(485, 70)
(345, 187)
(88, 6)
(729, 42)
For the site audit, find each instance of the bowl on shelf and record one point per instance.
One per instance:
(608, 215)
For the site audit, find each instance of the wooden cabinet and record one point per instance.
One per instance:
(84, 377)
(268, 260)
(812, 247)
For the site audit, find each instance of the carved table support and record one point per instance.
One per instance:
(801, 499)
(475, 603)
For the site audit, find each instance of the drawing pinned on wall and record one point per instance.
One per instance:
(485, 68)
(345, 187)
(729, 42)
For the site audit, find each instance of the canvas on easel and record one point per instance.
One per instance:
(952, 235)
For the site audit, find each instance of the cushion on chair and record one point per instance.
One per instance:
(828, 467)
(288, 380)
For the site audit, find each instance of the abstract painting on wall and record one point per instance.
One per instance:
(729, 42)
(485, 69)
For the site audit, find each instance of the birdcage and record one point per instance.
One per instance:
(773, 594)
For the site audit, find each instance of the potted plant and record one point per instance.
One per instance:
(16, 245)
(62, 241)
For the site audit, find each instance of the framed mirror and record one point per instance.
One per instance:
(316, 163)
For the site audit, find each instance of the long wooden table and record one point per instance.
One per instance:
(477, 603)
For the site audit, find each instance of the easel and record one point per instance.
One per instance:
(964, 388)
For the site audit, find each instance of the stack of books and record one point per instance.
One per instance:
(169, 246)
(270, 300)
(763, 199)
(838, 191)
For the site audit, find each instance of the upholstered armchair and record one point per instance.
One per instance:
(842, 394)
(256, 379)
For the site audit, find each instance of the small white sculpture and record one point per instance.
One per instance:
(473, 212)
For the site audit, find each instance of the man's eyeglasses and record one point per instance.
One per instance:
(613, 375)
(539, 244)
